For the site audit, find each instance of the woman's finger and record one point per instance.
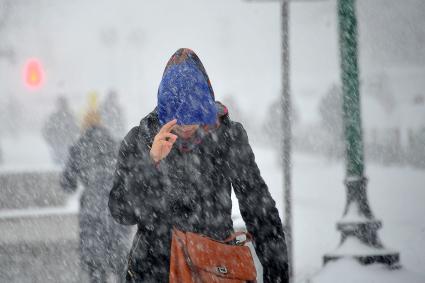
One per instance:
(167, 137)
(168, 126)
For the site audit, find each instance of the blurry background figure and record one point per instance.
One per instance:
(60, 131)
(331, 119)
(103, 242)
(112, 115)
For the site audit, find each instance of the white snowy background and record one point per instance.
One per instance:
(98, 45)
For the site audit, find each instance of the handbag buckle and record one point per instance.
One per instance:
(222, 269)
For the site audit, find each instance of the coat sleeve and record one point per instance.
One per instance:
(257, 207)
(135, 184)
(69, 178)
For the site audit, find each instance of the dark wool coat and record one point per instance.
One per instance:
(103, 242)
(192, 191)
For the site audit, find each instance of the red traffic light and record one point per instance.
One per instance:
(33, 73)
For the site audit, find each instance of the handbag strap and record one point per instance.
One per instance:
(189, 261)
(248, 237)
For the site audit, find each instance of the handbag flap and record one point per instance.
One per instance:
(223, 260)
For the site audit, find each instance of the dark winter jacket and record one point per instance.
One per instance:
(192, 191)
(103, 242)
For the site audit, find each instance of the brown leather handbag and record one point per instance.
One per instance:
(196, 258)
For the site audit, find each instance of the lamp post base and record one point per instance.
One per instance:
(359, 230)
(390, 259)
(354, 248)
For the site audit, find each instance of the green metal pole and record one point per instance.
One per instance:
(358, 225)
(350, 88)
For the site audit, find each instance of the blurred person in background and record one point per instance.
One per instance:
(60, 131)
(103, 243)
(113, 116)
(177, 169)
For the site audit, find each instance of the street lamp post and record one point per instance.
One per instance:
(358, 226)
(287, 135)
(285, 101)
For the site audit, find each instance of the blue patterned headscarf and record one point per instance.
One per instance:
(185, 91)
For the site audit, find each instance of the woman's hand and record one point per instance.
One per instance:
(163, 142)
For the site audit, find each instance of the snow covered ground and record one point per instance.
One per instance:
(396, 195)
(350, 271)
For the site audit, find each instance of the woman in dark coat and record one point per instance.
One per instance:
(103, 242)
(177, 168)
